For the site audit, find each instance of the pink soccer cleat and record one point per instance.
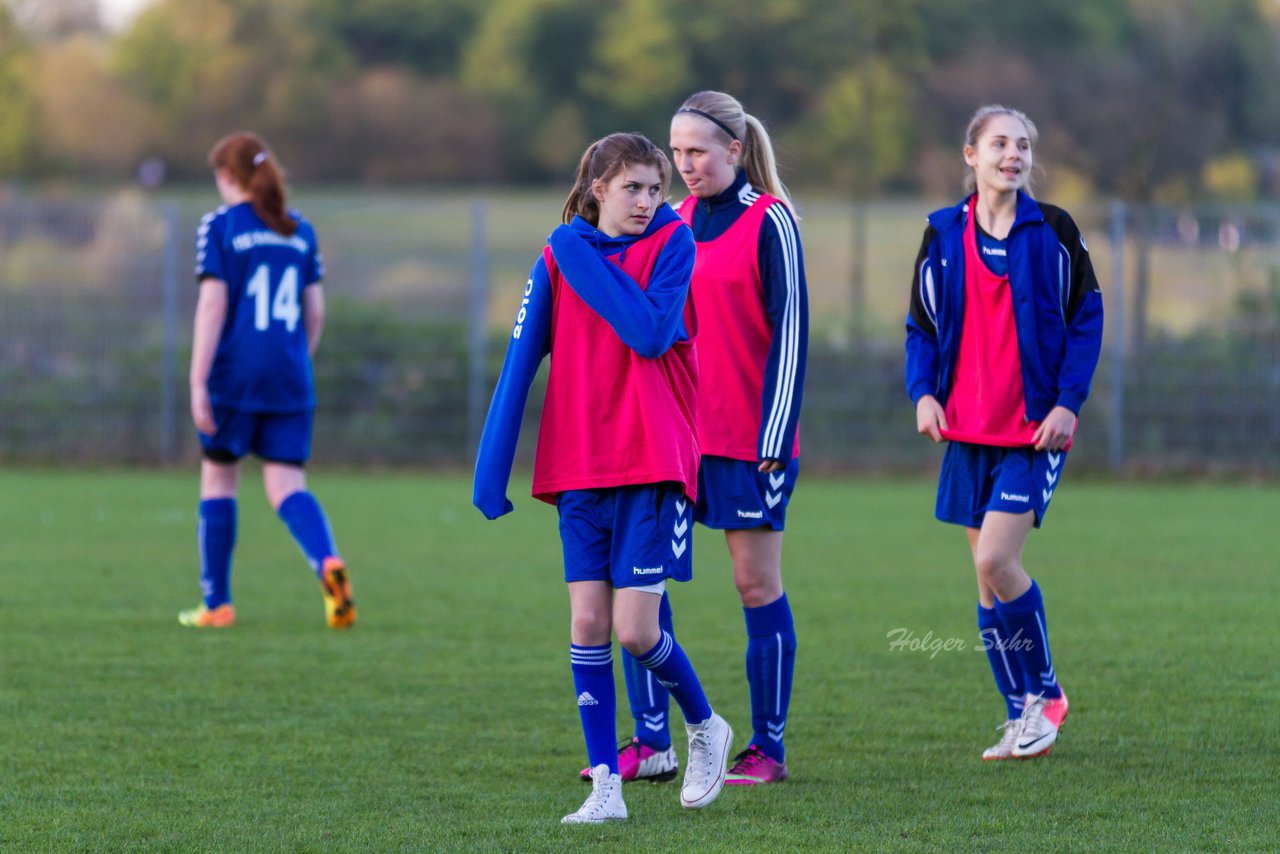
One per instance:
(638, 761)
(752, 767)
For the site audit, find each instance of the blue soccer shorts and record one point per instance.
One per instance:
(976, 479)
(629, 536)
(734, 495)
(277, 437)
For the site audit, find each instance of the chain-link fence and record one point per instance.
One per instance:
(96, 298)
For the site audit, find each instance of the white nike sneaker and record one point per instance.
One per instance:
(709, 744)
(1041, 720)
(1003, 749)
(605, 801)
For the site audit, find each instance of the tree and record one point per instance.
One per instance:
(385, 126)
(637, 65)
(210, 66)
(526, 59)
(428, 36)
(17, 101)
(88, 122)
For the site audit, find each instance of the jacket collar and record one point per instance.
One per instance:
(730, 196)
(948, 219)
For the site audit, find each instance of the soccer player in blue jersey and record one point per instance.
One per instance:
(749, 289)
(617, 445)
(1003, 335)
(258, 321)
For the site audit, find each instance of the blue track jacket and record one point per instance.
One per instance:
(1057, 306)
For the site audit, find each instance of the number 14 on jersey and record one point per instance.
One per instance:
(284, 307)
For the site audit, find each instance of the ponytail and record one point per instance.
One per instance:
(581, 202)
(251, 164)
(760, 164)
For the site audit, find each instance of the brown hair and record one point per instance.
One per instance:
(251, 164)
(603, 159)
(981, 118)
(757, 149)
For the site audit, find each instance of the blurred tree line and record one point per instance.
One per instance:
(1146, 99)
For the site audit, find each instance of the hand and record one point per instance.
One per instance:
(492, 506)
(1055, 430)
(931, 420)
(767, 466)
(202, 410)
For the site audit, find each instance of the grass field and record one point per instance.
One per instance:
(445, 719)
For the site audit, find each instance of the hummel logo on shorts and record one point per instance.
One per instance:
(585, 699)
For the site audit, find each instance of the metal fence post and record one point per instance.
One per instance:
(169, 338)
(1119, 343)
(858, 278)
(477, 326)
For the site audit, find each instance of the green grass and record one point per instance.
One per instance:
(445, 719)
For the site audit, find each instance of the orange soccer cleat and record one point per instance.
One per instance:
(335, 584)
(221, 617)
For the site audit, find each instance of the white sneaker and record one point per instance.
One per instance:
(709, 744)
(605, 801)
(1003, 749)
(1041, 720)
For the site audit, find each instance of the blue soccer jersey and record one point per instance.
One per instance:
(262, 363)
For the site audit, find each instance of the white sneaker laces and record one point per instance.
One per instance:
(700, 751)
(601, 791)
(1033, 713)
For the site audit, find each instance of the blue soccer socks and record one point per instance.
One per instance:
(216, 540)
(305, 519)
(671, 666)
(771, 662)
(597, 705)
(1025, 622)
(650, 701)
(1004, 665)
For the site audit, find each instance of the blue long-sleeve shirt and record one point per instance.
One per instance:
(649, 321)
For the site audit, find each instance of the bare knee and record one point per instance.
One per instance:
(759, 582)
(757, 565)
(590, 629)
(636, 639)
(756, 592)
(280, 480)
(1000, 573)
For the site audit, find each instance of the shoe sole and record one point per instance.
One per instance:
(732, 779)
(1042, 752)
(193, 622)
(751, 781)
(714, 792)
